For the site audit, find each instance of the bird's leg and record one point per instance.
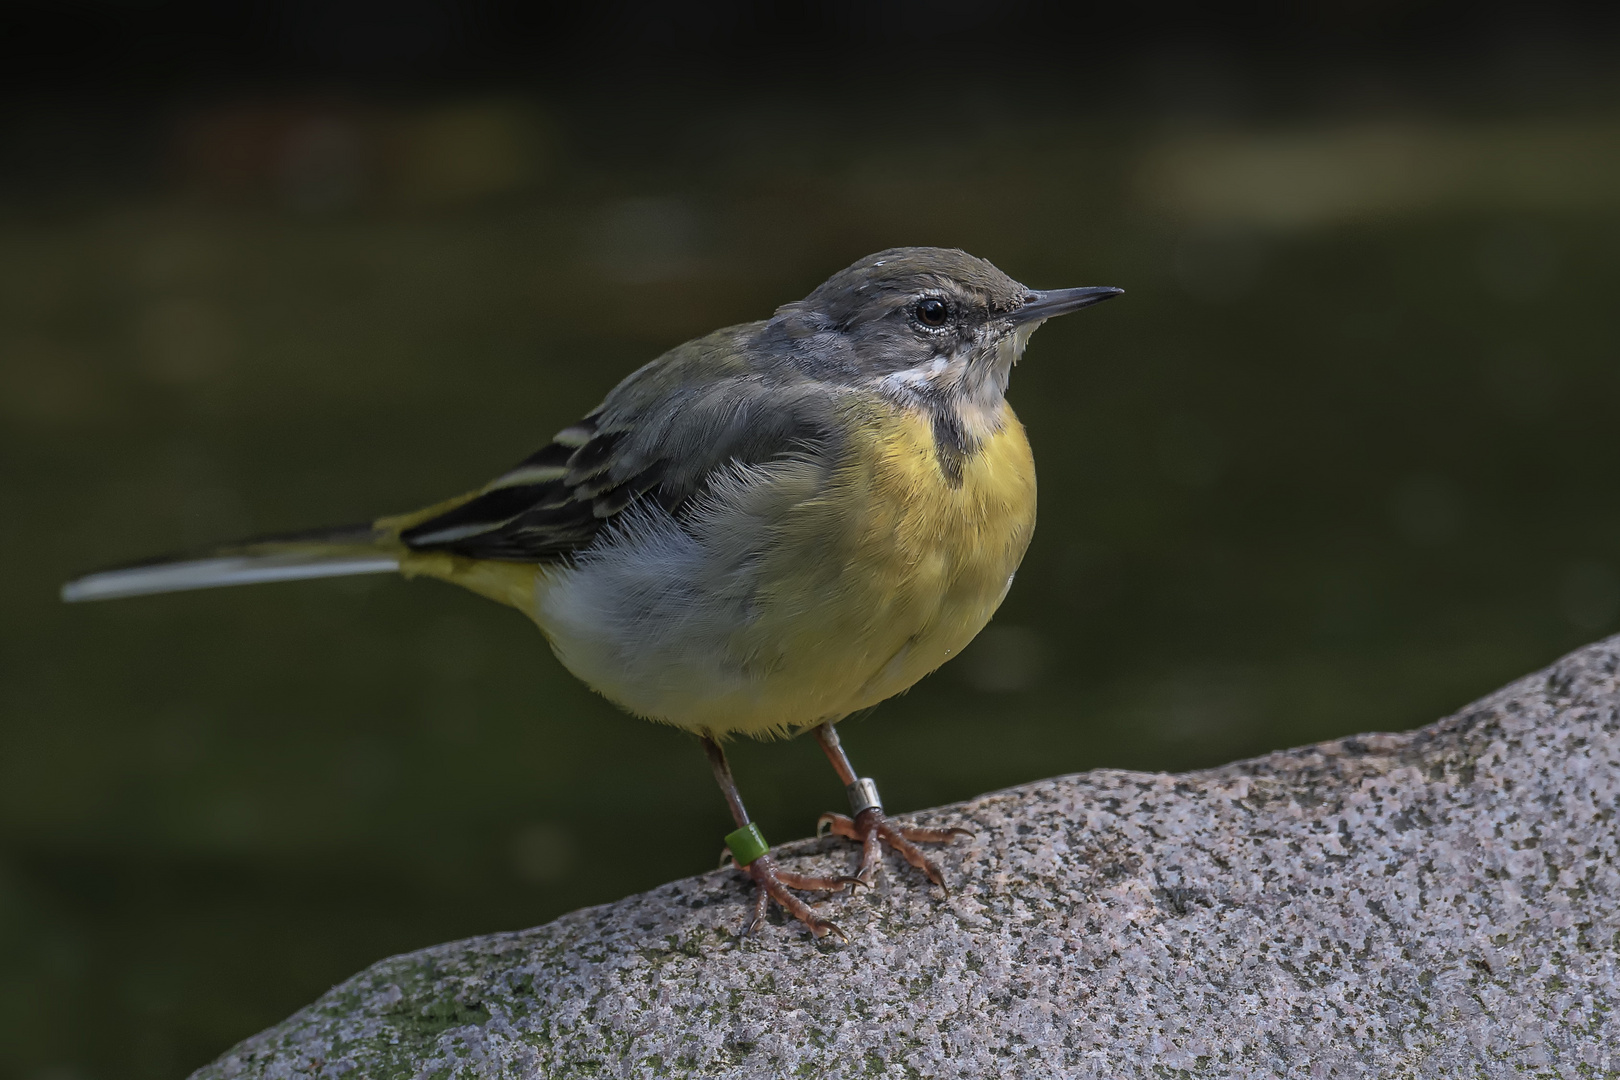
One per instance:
(753, 858)
(867, 823)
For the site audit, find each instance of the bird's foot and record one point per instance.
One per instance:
(773, 883)
(872, 830)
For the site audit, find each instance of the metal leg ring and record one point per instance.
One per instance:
(863, 795)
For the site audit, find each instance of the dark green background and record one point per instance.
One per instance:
(1343, 459)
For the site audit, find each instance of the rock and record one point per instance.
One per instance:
(1438, 903)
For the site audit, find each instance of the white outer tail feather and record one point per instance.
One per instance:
(215, 571)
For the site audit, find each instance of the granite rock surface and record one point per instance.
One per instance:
(1444, 902)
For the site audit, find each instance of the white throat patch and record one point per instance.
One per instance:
(976, 389)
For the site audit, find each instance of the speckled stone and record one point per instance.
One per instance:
(1438, 903)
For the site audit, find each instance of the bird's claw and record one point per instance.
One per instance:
(774, 883)
(871, 830)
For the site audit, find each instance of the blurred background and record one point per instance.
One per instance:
(1342, 460)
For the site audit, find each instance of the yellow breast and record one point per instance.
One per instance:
(892, 573)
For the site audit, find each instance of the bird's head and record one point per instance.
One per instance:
(936, 326)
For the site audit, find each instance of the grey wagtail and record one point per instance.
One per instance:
(763, 531)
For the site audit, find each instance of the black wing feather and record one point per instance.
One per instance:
(537, 521)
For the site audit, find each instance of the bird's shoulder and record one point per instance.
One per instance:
(737, 396)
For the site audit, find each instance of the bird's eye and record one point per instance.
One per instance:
(932, 311)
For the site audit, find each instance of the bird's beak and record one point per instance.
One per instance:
(1040, 306)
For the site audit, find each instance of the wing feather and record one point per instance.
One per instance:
(664, 433)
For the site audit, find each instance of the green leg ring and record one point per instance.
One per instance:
(747, 844)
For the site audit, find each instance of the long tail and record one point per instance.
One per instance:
(355, 549)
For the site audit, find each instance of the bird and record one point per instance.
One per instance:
(762, 532)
